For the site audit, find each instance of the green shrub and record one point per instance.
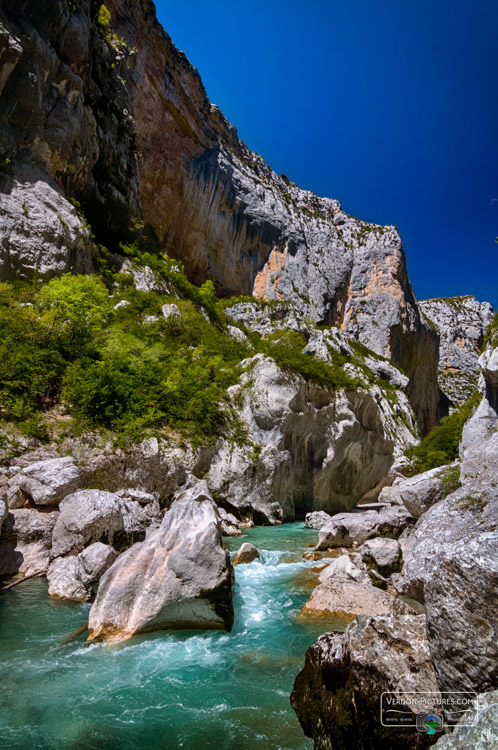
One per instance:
(285, 347)
(440, 446)
(104, 22)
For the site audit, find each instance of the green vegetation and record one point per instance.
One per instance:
(473, 501)
(285, 347)
(104, 27)
(104, 22)
(113, 369)
(450, 480)
(440, 446)
(491, 332)
(128, 369)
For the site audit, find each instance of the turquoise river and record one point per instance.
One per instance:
(194, 690)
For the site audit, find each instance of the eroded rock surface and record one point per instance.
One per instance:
(76, 577)
(26, 540)
(48, 482)
(461, 323)
(483, 729)
(453, 568)
(320, 449)
(179, 577)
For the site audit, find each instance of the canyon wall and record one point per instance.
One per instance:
(112, 115)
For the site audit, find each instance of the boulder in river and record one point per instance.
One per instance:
(337, 695)
(95, 516)
(316, 519)
(179, 577)
(76, 577)
(344, 529)
(348, 598)
(246, 554)
(25, 541)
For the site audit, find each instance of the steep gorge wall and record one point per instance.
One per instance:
(461, 323)
(121, 121)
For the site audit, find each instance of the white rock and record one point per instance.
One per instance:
(48, 482)
(179, 577)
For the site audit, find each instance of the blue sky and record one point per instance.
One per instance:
(390, 106)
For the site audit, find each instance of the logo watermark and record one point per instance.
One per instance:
(428, 712)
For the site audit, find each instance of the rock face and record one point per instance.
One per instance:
(481, 736)
(59, 139)
(76, 577)
(336, 696)
(461, 323)
(461, 602)
(485, 418)
(214, 204)
(453, 569)
(179, 577)
(320, 449)
(420, 492)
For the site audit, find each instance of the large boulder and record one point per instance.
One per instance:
(179, 577)
(25, 541)
(382, 554)
(316, 519)
(76, 577)
(347, 598)
(420, 492)
(91, 516)
(337, 695)
(48, 482)
(346, 567)
(467, 512)
(246, 554)
(454, 570)
(344, 529)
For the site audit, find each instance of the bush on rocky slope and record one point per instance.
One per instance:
(440, 446)
(117, 362)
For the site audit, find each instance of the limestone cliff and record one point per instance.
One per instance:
(113, 115)
(461, 323)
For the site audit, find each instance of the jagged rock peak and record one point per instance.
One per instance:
(461, 323)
